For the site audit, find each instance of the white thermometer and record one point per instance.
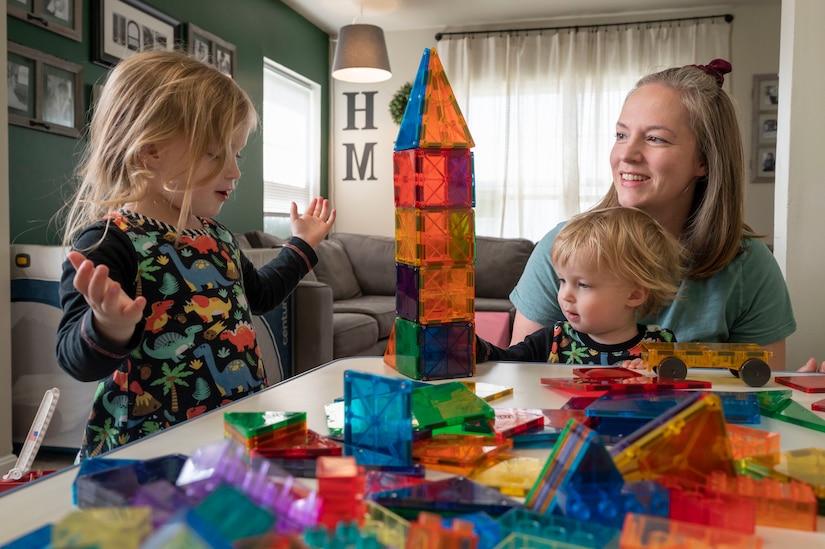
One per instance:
(35, 436)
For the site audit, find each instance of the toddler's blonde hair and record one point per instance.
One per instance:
(153, 98)
(628, 245)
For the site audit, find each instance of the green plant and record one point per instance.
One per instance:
(398, 103)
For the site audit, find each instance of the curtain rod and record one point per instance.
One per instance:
(439, 35)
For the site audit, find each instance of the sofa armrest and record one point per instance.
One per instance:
(312, 332)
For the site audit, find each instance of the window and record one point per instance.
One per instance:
(292, 142)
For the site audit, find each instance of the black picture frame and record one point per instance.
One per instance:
(45, 92)
(125, 27)
(64, 17)
(765, 123)
(211, 49)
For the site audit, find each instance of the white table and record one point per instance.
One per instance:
(49, 499)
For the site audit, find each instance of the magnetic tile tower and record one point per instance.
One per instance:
(434, 331)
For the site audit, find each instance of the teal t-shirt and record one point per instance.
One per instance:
(746, 302)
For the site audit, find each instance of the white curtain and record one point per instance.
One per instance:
(542, 107)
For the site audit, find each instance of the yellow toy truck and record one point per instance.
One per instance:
(747, 361)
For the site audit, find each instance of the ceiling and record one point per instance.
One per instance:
(403, 15)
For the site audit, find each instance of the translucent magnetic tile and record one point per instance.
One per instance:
(233, 515)
(389, 528)
(103, 527)
(595, 502)
(459, 450)
(773, 401)
(433, 177)
(740, 407)
(805, 465)
(488, 391)
(432, 118)
(577, 404)
(36, 539)
(485, 527)
(257, 424)
(116, 486)
(610, 372)
(525, 541)
(378, 415)
(543, 437)
(635, 405)
(267, 438)
(578, 453)
(383, 481)
(438, 351)
(455, 495)
(558, 529)
(450, 403)
(813, 383)
(778, 504)
(299, 445)
(512, 476)
(796, 413)
(642, 383)
(819, 405)
(649, 531)
(507, 423)
(688, 441)
(748, 441)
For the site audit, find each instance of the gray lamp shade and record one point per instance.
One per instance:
(361, 55)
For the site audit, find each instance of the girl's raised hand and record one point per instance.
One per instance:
(115, 313)
(315, 223)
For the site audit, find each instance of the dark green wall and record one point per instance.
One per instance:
(41, 164)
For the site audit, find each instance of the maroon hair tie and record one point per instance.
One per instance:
(717, 68)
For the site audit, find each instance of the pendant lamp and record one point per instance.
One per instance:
(361, 55)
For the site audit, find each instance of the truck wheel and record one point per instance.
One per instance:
(672, 367)
(755, 372)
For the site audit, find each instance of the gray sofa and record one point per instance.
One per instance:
(346, 306)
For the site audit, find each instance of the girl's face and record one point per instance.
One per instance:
(169, 165)
(655, 159)
(597, 304)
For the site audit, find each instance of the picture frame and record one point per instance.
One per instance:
(63, 17)
(45, 92)
(210, 49)
(765, 124)
(125, 27)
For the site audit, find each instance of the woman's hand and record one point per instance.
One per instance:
(811, 366)
(115, 313)
(316, 222)
(635, 364)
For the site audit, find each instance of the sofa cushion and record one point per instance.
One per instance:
(380, 307)
(334, 269)
(499, 264)
(353, 333)
(260, 239)
(373, 260)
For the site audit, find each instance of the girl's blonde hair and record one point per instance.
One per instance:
(153, 98)
(629, 245)
(715, 224)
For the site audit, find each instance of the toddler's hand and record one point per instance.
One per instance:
(635, 364)
(316, 222)
(811, 366)
(115, 313)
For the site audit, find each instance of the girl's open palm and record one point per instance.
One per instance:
(115, 313)
(315, 223)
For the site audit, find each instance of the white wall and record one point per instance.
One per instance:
(367, 206)
(800, 223)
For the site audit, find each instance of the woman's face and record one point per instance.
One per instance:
(655, 159)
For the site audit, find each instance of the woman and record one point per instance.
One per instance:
(678, 157)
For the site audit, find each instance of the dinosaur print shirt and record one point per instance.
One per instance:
(561, 344)
(195, 349)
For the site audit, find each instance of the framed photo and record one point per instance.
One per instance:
(64, 17)
(125, 27)
(765, 123)
(45, 92)
(210, 49)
